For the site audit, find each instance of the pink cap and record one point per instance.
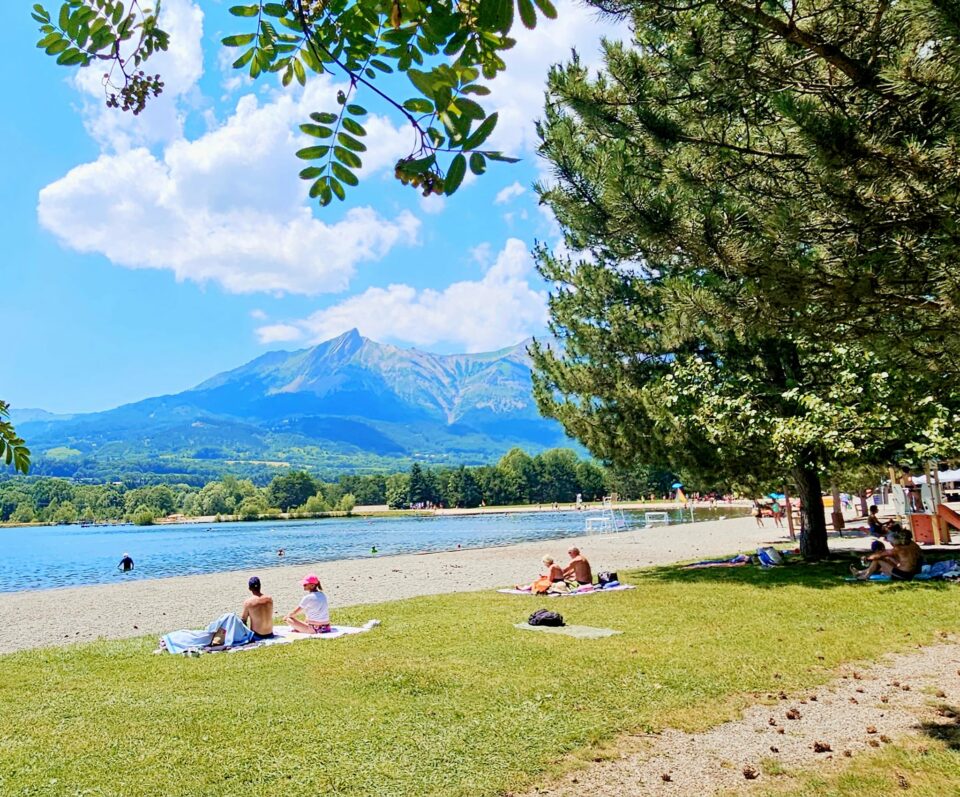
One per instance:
(310, 579)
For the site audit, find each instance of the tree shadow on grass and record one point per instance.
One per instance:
(796, 572)
(947, 731)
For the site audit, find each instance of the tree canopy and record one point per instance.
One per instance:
(442, 48)
(766, 195)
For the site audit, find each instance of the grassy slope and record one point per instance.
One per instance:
(446, 697)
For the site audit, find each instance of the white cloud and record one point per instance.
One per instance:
(178, 214)
(512, 191)
(258, 315)
(498, 310)
(228, 206)
(180, 68)
(279, 333)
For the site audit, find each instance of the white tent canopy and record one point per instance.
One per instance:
(945, 476)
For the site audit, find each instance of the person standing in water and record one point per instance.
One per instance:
(126, 564)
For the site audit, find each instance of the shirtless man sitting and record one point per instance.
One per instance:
(901, 563)
(579, 568)
(258, 611)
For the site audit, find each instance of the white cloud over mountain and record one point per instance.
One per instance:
(498, 310)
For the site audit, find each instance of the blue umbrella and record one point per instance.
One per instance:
(675, 486)
(778, 496)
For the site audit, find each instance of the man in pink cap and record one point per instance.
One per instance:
(314, 608)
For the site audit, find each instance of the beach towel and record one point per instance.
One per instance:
(576, 631)
(282, 635)
(235, 633)
(595, 590)
(737, 561)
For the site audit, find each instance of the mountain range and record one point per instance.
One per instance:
(349, 403)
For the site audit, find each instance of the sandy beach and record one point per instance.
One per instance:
(45, 618)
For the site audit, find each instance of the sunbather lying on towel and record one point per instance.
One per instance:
(901, 563)
(314, 608)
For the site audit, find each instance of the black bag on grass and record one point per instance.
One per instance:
(543, 617)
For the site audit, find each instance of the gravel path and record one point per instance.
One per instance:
(906, 694)
(62, 616)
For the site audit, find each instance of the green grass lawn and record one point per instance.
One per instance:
(446, 697)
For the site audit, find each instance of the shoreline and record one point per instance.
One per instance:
(62, 616)
(381, 511)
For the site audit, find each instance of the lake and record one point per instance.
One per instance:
(45, 557)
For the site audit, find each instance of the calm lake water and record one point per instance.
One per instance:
(45, 557)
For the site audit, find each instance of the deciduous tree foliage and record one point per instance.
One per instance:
(767, 195)
(442, 48)
(13, 450)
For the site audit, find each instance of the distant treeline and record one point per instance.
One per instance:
(557, 475)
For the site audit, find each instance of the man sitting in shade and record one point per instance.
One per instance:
(579, 568)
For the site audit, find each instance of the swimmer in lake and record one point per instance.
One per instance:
(126, 564)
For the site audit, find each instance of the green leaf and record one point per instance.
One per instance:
(419, 105)
(311, 172)
(49, 39)
(480, 91)
(351, 143)
(244, 59)
(318, 189)
(299, 72)
(337, 189)
(458, 168)
(317, 131)
(64, 19)
(347, 157)
(274, 10)
(381, 65)
(324, 117)
(423, 81)
(238, 39)
(356, 110)
(353, 127)
(312, 153)
(245, 11)
(499, 156)
(482, 133)
(470, 109)
(57, 47)
(496, 15)
(345, 174)
(546, 8)
(528, 15)
(478, 165)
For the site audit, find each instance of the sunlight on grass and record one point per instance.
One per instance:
(446, 697)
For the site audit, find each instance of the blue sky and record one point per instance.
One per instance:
(143, 255)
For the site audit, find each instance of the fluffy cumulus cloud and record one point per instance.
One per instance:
(512, 191)
(227, 206)
(498, 310)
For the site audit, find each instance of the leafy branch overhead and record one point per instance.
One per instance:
(13, 451)
(443, 48)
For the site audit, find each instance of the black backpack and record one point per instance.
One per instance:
(543, 617)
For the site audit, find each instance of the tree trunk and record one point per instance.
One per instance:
(864, 510)
(813, 540)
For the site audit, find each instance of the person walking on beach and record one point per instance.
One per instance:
(258, 611)
(777, 511)
(314, 607)
(126, 564)
(758, 513)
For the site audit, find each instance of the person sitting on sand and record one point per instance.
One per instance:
(554, 571)
(877, 529)
(258, 611)
(579, 568)
(126, 564)
(901, 563)
(314, 607)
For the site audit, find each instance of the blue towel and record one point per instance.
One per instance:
(235, 633)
